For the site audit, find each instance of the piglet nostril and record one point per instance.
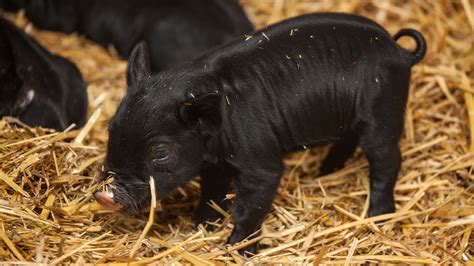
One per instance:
(106, 199)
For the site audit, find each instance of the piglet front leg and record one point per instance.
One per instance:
(215, 183)
(254, 197)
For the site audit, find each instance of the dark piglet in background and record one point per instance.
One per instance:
(37, 87)
(232, 114)
(175, 30)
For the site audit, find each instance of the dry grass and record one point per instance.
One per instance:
(47, 214)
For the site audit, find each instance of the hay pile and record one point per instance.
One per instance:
(47, 214)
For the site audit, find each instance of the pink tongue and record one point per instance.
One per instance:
(106, 200)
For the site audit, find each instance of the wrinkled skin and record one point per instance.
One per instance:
(232, 114)
(37, 87)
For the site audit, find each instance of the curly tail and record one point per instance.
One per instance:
(420, 50)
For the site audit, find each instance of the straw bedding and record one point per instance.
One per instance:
(47, 214)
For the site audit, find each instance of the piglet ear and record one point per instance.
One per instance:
(138, 66)
(203, 111)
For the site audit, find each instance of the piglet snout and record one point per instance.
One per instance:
(106, 199)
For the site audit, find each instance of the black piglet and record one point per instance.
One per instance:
(175, 30)
(39, 88)
(230, 115)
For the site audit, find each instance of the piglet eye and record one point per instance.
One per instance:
(161, 154)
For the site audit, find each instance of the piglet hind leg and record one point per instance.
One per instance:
(381, 118)
(255, 192)
(339, 154)
(384, 164)
(215, 183)
(379, 137)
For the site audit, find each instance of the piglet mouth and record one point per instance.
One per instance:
(106, 200)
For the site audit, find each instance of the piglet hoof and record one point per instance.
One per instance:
(381, 209)
(248, 251)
